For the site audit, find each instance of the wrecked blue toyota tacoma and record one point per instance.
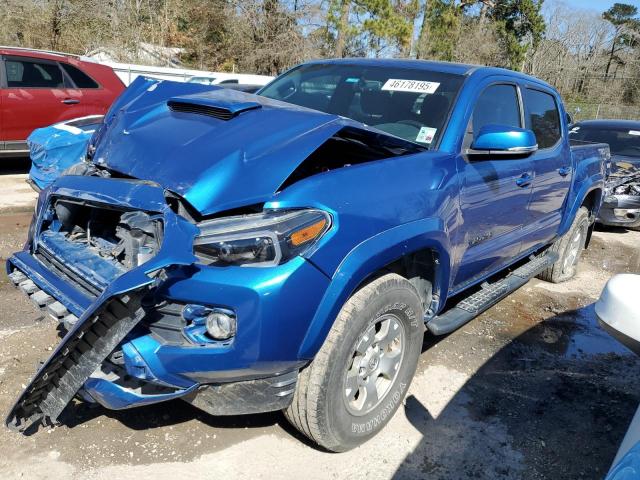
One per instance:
(288, 250)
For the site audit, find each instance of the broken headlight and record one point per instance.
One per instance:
(263, 239)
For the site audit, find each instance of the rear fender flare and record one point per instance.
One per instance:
(365, 260)
(595, 182)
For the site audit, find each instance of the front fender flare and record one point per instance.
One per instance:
(369, 257)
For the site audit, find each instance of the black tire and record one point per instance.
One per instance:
(565, 267)
(320, 409)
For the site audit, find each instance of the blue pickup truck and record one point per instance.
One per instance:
(288, 250)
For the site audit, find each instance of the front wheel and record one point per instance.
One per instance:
(569, 248)
(363, 370)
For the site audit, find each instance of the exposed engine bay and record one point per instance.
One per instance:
(625, 180)
(96, 242)
(632, 188)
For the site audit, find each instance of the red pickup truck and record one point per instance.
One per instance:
(41, 88)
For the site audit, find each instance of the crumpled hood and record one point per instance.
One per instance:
(214, 164)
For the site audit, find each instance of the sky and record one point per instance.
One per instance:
(598, 5)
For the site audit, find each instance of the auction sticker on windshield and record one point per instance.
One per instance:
(416, 86)
(426, 134)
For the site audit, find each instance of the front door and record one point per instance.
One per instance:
(494, 193)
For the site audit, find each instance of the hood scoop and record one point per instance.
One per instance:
(210, 107)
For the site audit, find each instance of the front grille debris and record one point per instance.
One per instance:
(78, 356)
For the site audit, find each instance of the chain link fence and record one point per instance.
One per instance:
(589, 111)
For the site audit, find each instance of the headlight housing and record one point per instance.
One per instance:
(263, 239)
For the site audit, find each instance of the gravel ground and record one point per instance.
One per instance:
(530, 389)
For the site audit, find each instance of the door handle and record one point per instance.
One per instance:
(70, 101)
(564, 171)
(523, 180)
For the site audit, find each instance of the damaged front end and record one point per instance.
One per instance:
(135, 288)
(172, 258)
(621, 204)
(89, 264)
(97, 244)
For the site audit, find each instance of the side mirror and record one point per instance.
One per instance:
(503, 140)
(618, 310)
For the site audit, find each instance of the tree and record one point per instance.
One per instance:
(360, 27)
(622, 17)
(440, 28)
(342, 26)
(520, 26)
(386, 24)
(439, 31)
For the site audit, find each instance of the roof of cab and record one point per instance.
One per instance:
(443, 67)
(610, 123)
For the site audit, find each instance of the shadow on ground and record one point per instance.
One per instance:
(553, 403)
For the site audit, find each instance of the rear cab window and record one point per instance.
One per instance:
(542, 116)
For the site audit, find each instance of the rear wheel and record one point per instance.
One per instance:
(569, 248)
(363, 370)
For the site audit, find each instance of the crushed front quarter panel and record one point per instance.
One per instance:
(82, 349)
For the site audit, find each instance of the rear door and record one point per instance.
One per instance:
(495, 191)
(551, 164)
(93, 97)
(36, 96)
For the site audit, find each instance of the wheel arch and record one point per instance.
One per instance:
(404, 250)
(590, 196)
(592, 202)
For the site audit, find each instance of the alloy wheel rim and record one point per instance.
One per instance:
(573, 250)
(374, 364)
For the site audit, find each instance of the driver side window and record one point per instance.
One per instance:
(497, 105)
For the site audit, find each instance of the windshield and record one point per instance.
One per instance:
(409, 103)
(622, 141)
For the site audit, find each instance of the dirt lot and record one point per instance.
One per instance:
(530, 389)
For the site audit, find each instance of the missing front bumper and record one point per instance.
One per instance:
(76, 365)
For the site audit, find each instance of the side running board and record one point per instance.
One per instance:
(489, 295)
(77, 357)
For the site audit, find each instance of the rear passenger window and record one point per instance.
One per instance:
(80, 79)
(497, 105)
(32, 74)
(542, 117)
